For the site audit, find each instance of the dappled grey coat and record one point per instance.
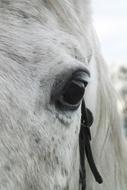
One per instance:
(42, 43)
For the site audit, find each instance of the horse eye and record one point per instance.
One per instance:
(72, 94)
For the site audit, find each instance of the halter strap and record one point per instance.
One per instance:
(85, 148)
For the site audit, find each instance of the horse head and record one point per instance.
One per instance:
(50, 61)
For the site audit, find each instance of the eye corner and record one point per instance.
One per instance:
(85, 83)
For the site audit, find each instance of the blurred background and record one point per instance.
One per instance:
(110, 21)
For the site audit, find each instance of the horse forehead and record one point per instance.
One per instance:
(40, 44)
(38, 3)
(70, 12)
(38, 33)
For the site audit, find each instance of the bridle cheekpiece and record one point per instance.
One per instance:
(85, 148)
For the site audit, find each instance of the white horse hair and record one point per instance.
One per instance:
(41, 43)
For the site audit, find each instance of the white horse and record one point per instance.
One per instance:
(42, 43)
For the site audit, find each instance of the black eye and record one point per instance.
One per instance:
(73, 92)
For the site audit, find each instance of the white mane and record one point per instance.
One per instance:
(70, 24)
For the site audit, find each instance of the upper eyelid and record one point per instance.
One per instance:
(82, 59)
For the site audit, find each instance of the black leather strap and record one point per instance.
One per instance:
(85, 148)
